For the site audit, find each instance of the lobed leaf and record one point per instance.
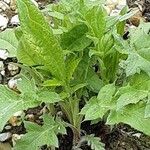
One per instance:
(9, 41)
(132, 115)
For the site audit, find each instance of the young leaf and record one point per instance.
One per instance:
(40, 135)
(94, 142)
(9, 41)
(97, 107)
(43, 46)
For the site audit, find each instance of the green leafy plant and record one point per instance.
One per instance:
(83, 65)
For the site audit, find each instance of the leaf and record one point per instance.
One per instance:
(26, 85)
(28, 90)
(136, 34)
(30, 96)
(135, 63)
(128, 15)
(93, 81)
(95, 20)
(71, 64)
(132, 115)
(18, 33)
(97, 107)
(138, 58)
(94, 142)
(39, 135)
(140, 81)
(75, 39)
(77, 87)
(39, 45)
(9, 104)
(56, 14)
(131, 97)
(9, 41)
(121, 25)
(52, 82)
(106, 92)
(48, 97)
(106, 43)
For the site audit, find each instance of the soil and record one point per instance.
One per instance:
(119, 138)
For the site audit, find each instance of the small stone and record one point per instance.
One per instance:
(7, 1)
(138, 135)
(3, 6)
(13, 4)
(3, 72)
(12, 83)
(14, 121)
(13, 69)
(5, 136)
(3, 22)
(30, 117)
(3, 54)
(8, 127)
(15, 20)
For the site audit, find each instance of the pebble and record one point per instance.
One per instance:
(15, 20)
(7, 1)
(13, 69)
(3, 54)
(3, 21)
(5, 136)
(3, 6)
(138, 135)
(3, 72)
(13, 4)
(12, 83)
(7, 127)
